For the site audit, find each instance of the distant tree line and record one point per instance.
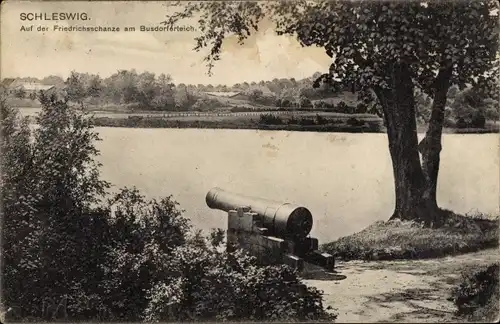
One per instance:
(148, 91)
(153, 92)
(469, 107)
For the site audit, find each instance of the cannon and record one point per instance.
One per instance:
(275, 232)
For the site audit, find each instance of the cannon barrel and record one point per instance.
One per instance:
(283, 219)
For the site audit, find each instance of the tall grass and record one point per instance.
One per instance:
(398, 239)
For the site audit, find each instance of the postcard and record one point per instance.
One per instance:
(287, 161)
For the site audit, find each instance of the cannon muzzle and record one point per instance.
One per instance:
(282, 219)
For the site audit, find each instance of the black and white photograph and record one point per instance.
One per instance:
(296, 161)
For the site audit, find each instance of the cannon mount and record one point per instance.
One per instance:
(271, 231)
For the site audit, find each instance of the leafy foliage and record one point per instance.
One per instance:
(472, 108)
(49, 180)
(79, 257)
(213, 284)
(477, 295)
(383, 50)
(363, 37)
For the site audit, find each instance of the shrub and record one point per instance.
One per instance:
(293, 120)
(342, 107)
(213, 284)
(305, 102)
(478, 120)
(241, 109)
(449, 122)
(270, 119)
(134, 121)
(461, 123)
(355, 122)
(285, 103)
(319, 104)
(477, 296)
(306, 121)
(140, 239)
(320, 120)
(361, 108)
(374, 126)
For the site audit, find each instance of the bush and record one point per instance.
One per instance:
(293, 121)
(477, 296)
(306, 121)
(305, 102)
(270, 119)
(213, 284)
(320, 120)
(140, 238)
(478, 121)
(361, 108)
(461, 123)
(355, 122)
(342, 107)
(242, 109)
(319, 104)
(285, 103)
(449, 122)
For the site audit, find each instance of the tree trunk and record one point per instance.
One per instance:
(399, 113)
(430, 146)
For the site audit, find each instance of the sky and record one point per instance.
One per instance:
(264, 56)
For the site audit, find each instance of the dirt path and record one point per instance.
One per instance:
(397, 291)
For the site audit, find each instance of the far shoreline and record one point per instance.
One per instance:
(305, 121)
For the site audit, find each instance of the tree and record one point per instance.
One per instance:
(255, 94)
(122, 87)
(164, 99)
(53, 80)
(492, 109)
(95, 87)
(181, 97)
(20, 93)
(147, 89)
(305, 102)
(16, 197)
(75, 88)
(473, 107)
(385, 47)
(49, 181)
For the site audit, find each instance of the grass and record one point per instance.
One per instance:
(396, 239)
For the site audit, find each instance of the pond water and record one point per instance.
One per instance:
(344, 179)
